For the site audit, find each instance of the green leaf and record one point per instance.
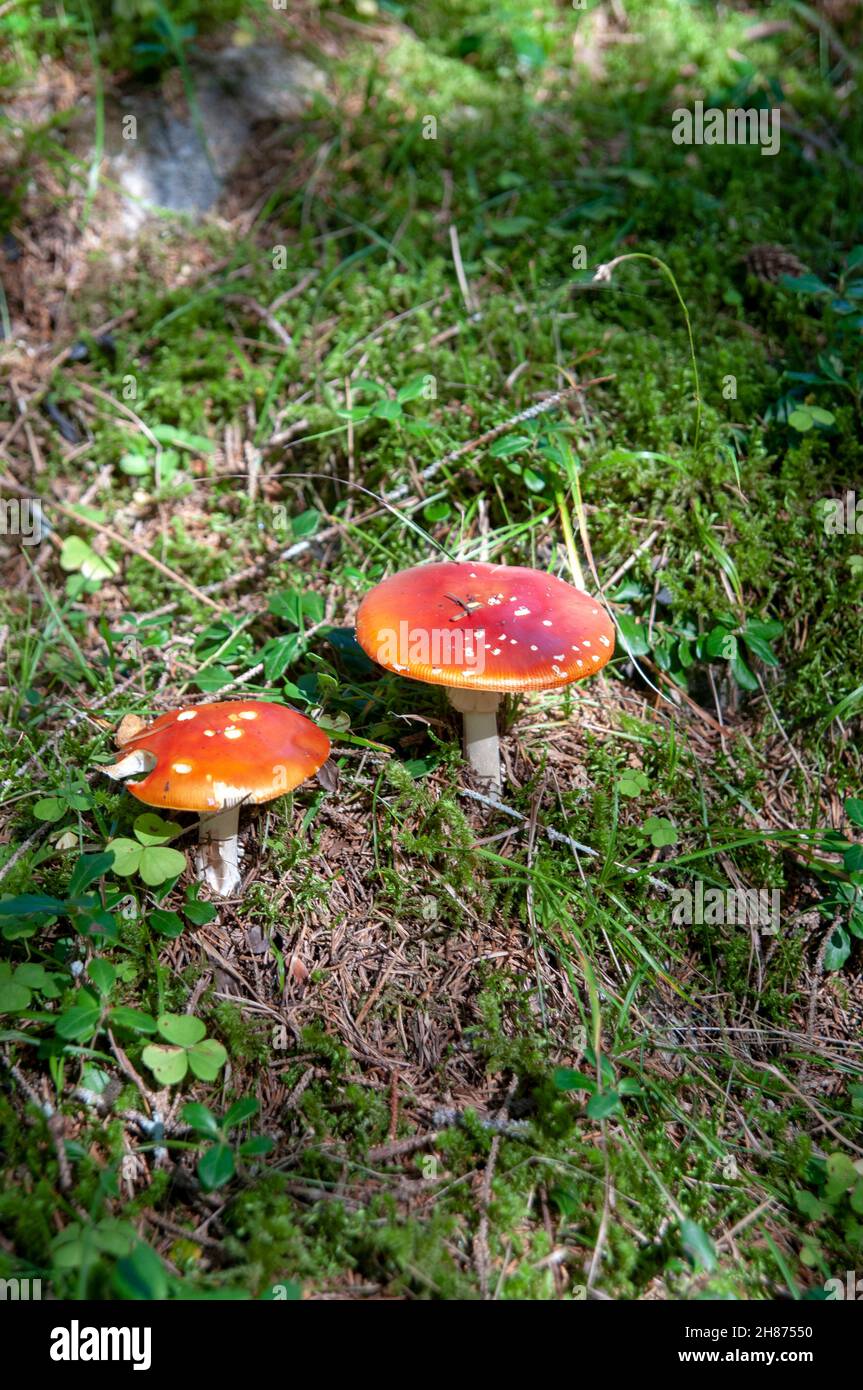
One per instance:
(742, 674)
(135, 465)
(88, 869)
(241, 1110)
(534, 482)
(838, 950)
(758, 645)
(809, 1205)
(168, 1064)
(103, 974)
(603, 1104)
(33, 976)
(28, 903)
(127, 856)
(207, 1059)
(49, 808)
(633, 783)
(566, 1079)
(133, 1019)
(13, 997)
(721, 645)
(166, 923)
(841, 1175)
(77, 555)
(279, 653)
(800, 420)
(698, 1246)
(852, 859)
(182, 439)
(199, 914)
(306, 524)
(633, 636)
(387, 410)
(201, 1119)
(182, 1029)
(78, 1022)
(113, 1237)
(510, 444)
(216, 1167)
(507, 227)
(412, 390)
(141, 1275)
(804, 284)
(159, 863)
(256, 1147)
(661, 830)
(853, 810)
(150, 829)
(213, 678)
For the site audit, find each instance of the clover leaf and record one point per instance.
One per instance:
(186, 1048)
(661, 831)
(148, 854)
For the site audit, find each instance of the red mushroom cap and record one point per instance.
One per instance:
(209, 757)
(484, 627)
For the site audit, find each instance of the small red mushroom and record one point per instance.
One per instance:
(212, 759)
(482, 630)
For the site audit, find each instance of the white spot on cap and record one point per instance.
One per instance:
(559, 657)
(513, 642)
(605, 642)
(187, 714)
(233, 733)
(534, 649)
(495, 651)
(579, 662)
(209, 733)
(575, 648)
(182, 767)
(522, 612)
(248, 714)
(594, 657)
(546, 622)
(586, 643)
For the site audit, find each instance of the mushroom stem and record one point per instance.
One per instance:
(481, 746)
(218, 856)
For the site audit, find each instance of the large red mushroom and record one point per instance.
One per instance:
(481, 631)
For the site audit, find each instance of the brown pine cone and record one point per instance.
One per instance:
(770, 263)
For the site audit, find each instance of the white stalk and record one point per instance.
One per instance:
(481, 745)
(218, 855)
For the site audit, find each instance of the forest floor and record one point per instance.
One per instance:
(458, 1054)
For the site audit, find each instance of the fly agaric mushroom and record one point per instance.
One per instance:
(481, 631)
(212, 758)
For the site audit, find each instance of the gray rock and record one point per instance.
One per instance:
(181, 162)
